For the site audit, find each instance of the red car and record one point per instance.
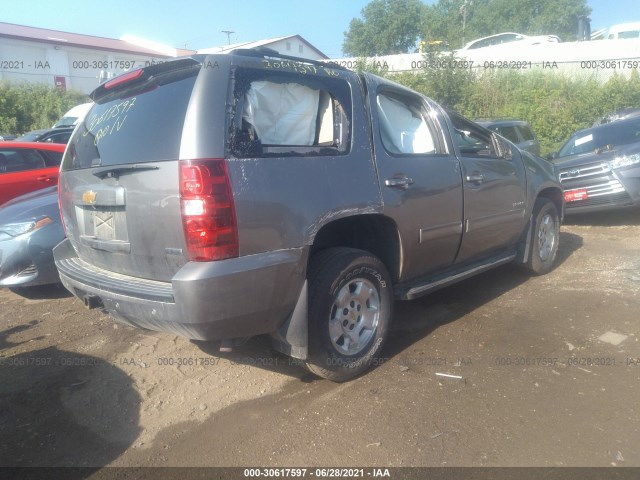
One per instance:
(28, 166)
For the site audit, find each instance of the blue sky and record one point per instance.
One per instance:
(199, 23)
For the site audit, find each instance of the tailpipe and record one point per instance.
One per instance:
(226, 345)
(92, 301)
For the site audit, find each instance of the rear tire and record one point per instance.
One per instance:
(350, 309)
(545, 237)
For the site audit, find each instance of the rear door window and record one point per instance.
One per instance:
(51, 158)
(404, 125)
(472, 140)
(509, 132)
(19, 160)
(285, 115)
(527, 133)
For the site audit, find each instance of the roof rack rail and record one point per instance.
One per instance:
(265, 52)
(498, 119)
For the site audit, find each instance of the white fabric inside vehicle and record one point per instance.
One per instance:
(325, 133)
(401, 130)
(282, 113)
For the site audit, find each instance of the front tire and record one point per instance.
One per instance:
(350, 309)
(545, 237)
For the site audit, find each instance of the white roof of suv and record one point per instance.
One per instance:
(75, 115)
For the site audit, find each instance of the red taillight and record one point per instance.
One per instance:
(208, 213)
(124, 78)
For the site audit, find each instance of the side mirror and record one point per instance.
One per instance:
(552, 156)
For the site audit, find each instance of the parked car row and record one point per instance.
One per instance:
(28, 166)
(598, 167)
(60, 132)
(30, 224)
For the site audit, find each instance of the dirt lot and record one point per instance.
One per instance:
(550, 371)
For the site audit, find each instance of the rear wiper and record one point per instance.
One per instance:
(115, 172)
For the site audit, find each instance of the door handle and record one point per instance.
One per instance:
(43, 178)
(399, 182)
(475, 177)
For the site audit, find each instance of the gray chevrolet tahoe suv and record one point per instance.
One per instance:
(226, 196)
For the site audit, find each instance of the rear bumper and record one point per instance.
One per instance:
(232, 298)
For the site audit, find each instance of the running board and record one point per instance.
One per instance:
(422, 286)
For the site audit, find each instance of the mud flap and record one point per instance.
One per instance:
(293, 335)
(524, 244)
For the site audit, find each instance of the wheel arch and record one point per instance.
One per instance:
(373, 233)
(556, 196)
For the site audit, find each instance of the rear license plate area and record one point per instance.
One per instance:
(104, 225)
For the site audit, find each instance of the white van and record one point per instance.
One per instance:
(73, 116)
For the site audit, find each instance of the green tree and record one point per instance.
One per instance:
(441, 79)
(25, 106)
(387, 27)
(443, 20)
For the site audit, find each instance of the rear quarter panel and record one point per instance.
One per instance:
(282, 202)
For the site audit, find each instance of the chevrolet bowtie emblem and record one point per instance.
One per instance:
(89, 197)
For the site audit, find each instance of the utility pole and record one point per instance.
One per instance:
(228, 32)
(463, 12)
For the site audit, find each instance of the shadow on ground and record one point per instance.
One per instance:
(413, 320)
(42, 292)
(611, 218)
(64, 409)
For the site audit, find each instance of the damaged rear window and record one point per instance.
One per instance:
(280, 115)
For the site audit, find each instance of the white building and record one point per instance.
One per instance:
(69, 60)
(82, 62)
(293, 45)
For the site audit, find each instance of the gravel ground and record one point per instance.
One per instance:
(549, 373)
